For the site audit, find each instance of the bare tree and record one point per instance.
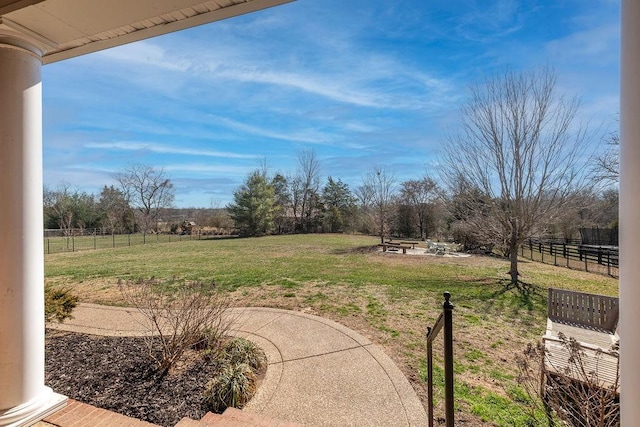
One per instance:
(607, 165)
(518, 147)
(420, 195)
(116, 213)
(366, 218)
(296, 189)
(58, 204)
(148, 191)
(306, 188)
(380, 185)
(68, 209)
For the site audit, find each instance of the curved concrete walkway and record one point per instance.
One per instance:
(320, 373)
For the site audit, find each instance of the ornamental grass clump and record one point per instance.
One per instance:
(233, 386)
(240, 350)
(235, 383)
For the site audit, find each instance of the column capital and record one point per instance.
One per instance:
(15, 35)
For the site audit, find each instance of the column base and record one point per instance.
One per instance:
(31, 412)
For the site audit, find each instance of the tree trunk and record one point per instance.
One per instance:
(381, 225)
(513, 271)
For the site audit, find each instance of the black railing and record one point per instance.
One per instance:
(74, 243)
(444, 320)
(597, 259)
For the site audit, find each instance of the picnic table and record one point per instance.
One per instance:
(436, 248)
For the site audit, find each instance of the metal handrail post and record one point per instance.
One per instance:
(448, 358)
(430, 378)
(445, 320)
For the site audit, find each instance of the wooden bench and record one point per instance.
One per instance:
(413, 243)
(580, 309)
(397, 246)
(591, 320)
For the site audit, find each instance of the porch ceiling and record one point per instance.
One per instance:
(64, 29)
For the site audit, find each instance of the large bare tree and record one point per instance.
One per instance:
(306, 188)
(147, 190)
(517, 146)
(380, 186)
(420, 195)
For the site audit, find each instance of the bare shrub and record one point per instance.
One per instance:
(182, 316)
(575, 394)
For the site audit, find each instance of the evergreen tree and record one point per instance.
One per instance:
(253, 206)
(339, 206)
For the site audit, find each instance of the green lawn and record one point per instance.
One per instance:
(389, 298)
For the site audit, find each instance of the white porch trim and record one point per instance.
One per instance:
(23, 396)
(630, 213)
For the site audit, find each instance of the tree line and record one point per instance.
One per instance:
(513, 168)
(136, 205)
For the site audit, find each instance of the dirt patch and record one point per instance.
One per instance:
(97, 291)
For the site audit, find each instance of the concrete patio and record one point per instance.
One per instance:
(320, 373)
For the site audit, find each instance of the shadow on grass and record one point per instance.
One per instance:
(356, 250)
(219, 237)
(505, 298)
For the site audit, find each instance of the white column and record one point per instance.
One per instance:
(23, 395)
(630, 213)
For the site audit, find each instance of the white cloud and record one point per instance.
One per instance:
(308, 136)
(165, 149)
(347, 75)
(595, 45)
(191, 168)
(487, 21)
(146, 52)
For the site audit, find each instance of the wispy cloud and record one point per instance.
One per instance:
(348, 75)
(166, 149)
(487, 21)
(227, 170)
(144, 53)
(597, 45)
(310, 136)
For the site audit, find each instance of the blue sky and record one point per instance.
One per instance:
(363, 83)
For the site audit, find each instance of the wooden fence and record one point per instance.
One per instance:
(597, 259)
(582, 309)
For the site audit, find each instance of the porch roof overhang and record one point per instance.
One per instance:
(62, 29)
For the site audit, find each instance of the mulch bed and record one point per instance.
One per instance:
(115, 373)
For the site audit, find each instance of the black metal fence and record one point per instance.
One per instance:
(445, 320)
(84, 242)
(593, 258)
